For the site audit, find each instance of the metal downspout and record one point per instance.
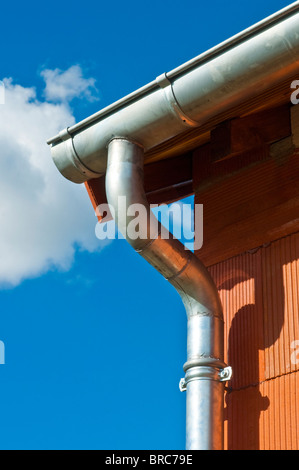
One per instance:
(205, 368)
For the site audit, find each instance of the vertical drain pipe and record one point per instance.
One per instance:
(205, 370)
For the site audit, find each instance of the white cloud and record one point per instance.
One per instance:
(69, 84)
(43, 217)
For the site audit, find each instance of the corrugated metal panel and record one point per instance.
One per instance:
(260, 295)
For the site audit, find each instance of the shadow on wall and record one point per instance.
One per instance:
(252, 287)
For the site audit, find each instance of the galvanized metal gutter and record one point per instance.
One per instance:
(187, 97)
(114, 140)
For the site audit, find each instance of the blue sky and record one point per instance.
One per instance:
(95, 339)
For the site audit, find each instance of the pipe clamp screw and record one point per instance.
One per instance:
(183, 385)
(226, 374)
